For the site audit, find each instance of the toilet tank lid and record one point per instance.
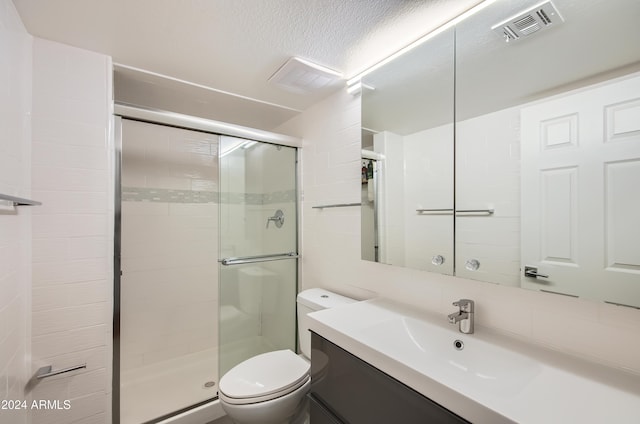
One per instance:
(318, 299)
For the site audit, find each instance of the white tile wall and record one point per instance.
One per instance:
(169, 286)
(15, 227)
(73, 230)
(392, 192)
(488, 177)
(331, 259)
(428, 181)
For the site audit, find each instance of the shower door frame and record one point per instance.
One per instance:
(187, 122)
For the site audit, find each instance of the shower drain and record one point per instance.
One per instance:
(209, 384)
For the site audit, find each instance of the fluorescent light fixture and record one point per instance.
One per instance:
(354, 79)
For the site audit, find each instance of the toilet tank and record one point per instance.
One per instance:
(315, 300)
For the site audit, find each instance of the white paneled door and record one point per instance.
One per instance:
(581, 192)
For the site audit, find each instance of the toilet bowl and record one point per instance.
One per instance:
(270, 388)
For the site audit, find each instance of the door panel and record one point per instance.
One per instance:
(580, 197)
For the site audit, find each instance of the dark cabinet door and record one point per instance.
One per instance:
(319, 414)
(358, 393)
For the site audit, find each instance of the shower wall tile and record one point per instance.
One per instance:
(174, 256)
(86, 203)
(68, 295)
(15, 228)
(331, 257)
(64, 342)
(169, 284)
(71, 318)
(69, 224)
(82, 409)
(73, 232)
(102, 418)
(71, 271)
(68, 156)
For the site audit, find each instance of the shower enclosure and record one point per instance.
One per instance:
(258, 240)
(206, 269)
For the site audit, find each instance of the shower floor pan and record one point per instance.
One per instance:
(149, 392)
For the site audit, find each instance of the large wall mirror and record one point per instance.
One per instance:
(407, 166)
(546, 193)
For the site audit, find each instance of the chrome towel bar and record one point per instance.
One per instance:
(460, 212)
(436, 211)
(19, 201)
(337, 205)
(475, 211)
(260, 258)
(46, 371)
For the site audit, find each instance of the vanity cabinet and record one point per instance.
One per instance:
(321, 415)
(347, 390)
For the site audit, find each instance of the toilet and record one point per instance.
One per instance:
(270, 388)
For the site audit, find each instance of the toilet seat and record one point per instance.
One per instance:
(264, 377)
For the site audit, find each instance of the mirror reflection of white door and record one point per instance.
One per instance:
(581, 192)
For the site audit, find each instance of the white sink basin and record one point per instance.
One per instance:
(477, 364)
(493, 379)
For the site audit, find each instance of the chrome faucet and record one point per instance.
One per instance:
(464, 317)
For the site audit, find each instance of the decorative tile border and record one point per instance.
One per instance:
(143, 194)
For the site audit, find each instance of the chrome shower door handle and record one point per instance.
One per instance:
(278, 218)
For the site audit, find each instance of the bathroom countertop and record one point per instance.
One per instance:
(524, 383)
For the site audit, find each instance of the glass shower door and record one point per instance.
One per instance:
(258, 249)
(167, 355)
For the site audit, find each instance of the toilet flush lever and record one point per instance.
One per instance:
(278, 218)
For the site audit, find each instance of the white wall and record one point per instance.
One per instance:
(488, 177)
(428, 181)
(73, 229)
(15, 227)
(391, 223)
(368, 246)
(331, 256)
(417, 173)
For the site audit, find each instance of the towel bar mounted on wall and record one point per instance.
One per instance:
(46, 371)
(19, 201)
(435, 211)
(337, 205)
(459, 212)
(470, 212)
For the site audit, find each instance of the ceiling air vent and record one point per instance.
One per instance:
(538, 18)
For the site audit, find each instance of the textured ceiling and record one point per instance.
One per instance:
(236, 45)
